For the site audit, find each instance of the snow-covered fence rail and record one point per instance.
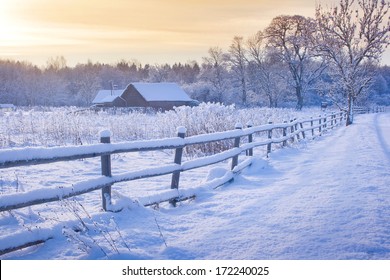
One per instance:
(367, 110)
(245, 141)
(279, 133)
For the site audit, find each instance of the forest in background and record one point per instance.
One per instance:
(24, 84)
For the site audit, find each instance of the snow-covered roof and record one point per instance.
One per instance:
(149, 91)
(5, 106)
(107, 96)
(161, 92)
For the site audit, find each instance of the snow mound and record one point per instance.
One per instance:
(216, 173)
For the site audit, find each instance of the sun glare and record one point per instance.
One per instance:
(8, 27)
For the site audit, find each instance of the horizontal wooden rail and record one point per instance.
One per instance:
(270, 134)
(283, 132)
(33, 156)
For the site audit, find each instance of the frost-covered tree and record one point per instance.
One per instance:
(264, 71)
(214, 72)
(55, 64)
(291, 38)
(88, 84)
(159, 73)
(184, 73)
(238, 61)
(352, 37)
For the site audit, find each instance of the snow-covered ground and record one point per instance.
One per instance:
(322, 199)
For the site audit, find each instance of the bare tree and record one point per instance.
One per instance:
(56, 63)
(291, 38)
(265, 70)
(214, 72)
(353, 36)
(237, 57)
(159, 73)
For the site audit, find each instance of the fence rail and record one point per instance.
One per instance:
(245, 141)
(367, 110)
(287, 131)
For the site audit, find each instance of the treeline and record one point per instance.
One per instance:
(24, 84)
(295, 61)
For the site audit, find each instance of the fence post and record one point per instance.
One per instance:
(303, 132)
(331, 121)
(269, 138)
(284, 134)
(105, 161)
(319, 125)
(296, 128)
(292, 131)
(236, 145)
(250, 140)
(325, 123)
(312, 129)
(181, 132)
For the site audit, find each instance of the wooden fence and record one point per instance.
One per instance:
(288, 131)
(245, 140)
(367, 110)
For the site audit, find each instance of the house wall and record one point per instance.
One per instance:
(133, 98)
(167, 105)
(118, 102)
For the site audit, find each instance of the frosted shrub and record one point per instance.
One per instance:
(203, 119)
(75, 126)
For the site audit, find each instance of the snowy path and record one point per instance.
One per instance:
(325, 199)
(329, 200)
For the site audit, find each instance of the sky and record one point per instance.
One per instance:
(149, 31)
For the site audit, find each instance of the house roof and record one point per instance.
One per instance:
(107, 96)
(149, 91)
(7, 106)
(161, 92)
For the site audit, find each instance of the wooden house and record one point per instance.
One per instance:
(161, 96)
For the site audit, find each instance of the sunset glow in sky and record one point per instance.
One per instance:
(151, 31)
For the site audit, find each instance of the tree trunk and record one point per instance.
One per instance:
(298, 91)
(349, 110)
(270, 100)
(243, 91)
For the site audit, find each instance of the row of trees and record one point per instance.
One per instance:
(25, 84)
(295, 59)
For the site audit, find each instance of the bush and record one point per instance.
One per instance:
(72, 126)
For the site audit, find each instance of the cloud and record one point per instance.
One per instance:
(178, 15)
(151, 26)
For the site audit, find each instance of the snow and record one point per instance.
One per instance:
(161, 92)
(323, 199)
(181, 130)
(238, 126)
(105, 133)
(107, 96)
(7, 106)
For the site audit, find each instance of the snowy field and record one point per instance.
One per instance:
(323, 199)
